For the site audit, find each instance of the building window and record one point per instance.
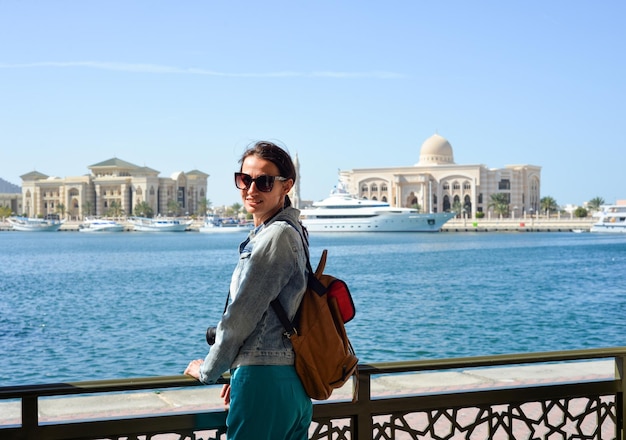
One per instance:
(446, 204)
(504, 184)
(467, 205)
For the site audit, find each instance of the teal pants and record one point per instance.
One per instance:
(268, 402)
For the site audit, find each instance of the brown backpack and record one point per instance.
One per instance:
(325, 359)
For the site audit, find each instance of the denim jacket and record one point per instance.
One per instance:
(272, 263)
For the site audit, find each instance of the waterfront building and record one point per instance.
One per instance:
(437, 184)
(113, 182)
(10, 196)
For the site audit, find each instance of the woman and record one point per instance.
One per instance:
(266, 397)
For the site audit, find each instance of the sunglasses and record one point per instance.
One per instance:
(263, 183)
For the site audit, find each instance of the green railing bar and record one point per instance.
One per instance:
(109, 385)
(496, 360)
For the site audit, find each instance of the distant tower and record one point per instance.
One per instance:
(295, 191)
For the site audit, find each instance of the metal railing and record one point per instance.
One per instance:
(570, 394)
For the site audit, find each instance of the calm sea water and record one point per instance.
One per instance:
(84, 307)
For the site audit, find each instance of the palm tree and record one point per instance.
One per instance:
(143, 209)
(173, 207)
(87, 208)
(595, 203)
(203, 206)
(61, 209)
(233, 210)
(5, 211)
(457, 207)
(548, 204)
(115, 209)
(500, 204)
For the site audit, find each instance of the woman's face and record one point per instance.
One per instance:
(262, 205)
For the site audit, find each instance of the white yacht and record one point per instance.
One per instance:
(159, 224)
(611, 219)
(342, 212)
(48, 224)
(220, 225)
(100, 225)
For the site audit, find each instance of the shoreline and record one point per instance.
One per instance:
(519, 225)
(453, 225)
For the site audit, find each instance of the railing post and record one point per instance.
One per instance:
(363, 426)
(620, 367)
(30, 416)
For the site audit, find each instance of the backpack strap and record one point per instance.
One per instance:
(312, 283)
(290, 329)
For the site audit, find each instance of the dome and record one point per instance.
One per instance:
(436, 150)
(176, 175)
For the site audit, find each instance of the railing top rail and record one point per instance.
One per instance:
(100, 386)
(496, 360)
(142, 383)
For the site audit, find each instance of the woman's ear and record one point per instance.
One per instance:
(287, 186)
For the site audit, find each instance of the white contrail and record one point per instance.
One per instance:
(160, 69)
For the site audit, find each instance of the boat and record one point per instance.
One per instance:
(343, 212)
(159, 224)
(611, 219)
(221, 225)
(50, 223)
(100, 225)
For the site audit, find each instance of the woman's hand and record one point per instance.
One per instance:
(225, 394)
(193, 369)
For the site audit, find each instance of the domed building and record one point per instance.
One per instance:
(435, 150)
(437, 184)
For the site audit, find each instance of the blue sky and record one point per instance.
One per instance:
(186, 85)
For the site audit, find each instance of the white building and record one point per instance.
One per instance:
(113, 182)
(437, 184)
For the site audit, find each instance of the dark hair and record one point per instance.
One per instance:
(273, 153)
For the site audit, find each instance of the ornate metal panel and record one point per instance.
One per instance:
(592, 418)
(182, 435)
(179, 435)
(331, 429)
